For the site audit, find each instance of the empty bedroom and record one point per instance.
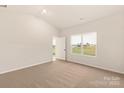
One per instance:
(61, 46)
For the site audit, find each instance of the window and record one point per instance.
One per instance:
(76, 44)
(84, 44)
(89, 44)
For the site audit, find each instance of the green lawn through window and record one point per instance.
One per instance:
(76, 50)
(87, 50)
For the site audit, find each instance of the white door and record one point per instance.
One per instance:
(60, 48)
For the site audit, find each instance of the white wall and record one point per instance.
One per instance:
(110, 47)
(25, 40)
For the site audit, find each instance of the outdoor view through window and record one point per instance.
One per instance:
(84, 44)
(76, 44)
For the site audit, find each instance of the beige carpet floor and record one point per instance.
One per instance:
(61, 74)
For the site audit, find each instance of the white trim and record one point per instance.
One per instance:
(99, 67)
(19, 68)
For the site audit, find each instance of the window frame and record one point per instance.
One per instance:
(71, 45)
(82, 50)
(95, 47)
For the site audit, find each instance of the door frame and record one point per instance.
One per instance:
(64, 49)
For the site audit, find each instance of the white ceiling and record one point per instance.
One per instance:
(65, 16)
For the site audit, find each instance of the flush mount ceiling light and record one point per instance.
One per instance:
(44, 11)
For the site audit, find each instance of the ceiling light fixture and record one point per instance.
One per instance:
(44, 11)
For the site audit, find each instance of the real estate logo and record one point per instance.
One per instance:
(110, 81)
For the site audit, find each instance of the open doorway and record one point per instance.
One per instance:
(59, 48)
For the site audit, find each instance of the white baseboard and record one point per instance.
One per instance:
(99, 67)
(19, 68)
